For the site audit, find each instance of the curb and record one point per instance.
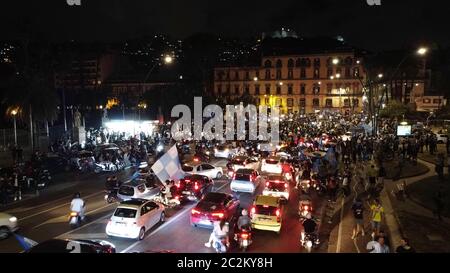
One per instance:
(392, 221)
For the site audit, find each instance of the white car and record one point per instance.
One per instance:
(277, 185)
(204, 169)
(241, 162)
(8, 224)
(272, 164)
(245, 180)
(133, 218)
(441, 138)
(139, 188)
(225, 151)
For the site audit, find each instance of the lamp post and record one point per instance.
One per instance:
(14, 113)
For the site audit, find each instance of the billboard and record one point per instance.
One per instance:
(403, 130)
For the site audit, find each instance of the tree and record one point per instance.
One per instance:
(394, 109)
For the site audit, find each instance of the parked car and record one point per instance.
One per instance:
(442, 138)
(205, 169)
(73, 246)
(214, 206)
(133, 218)
(8, 224)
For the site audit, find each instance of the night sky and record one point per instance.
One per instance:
(394, 24)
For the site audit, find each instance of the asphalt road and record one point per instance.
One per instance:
(45, 217)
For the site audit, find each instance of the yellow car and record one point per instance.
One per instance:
(266, 213)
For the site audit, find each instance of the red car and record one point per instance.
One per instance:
(214, 206)
(193, 187)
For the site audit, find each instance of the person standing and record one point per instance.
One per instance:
(405, 247)
(17, 189)
(377, 217)
(358, 214)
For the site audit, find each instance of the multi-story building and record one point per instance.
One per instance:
(7, 53)
(303, 82)
(86, 73)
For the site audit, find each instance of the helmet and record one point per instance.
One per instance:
(244, 212)
(77, 195)
(308, 216)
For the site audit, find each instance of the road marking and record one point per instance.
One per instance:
(166, 223)
(83, 226)
(64, 218)
(60, 206)
(338, 247)
(23, 209)
(88, 236)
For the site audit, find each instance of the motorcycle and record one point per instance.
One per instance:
(304, 208)
(244, 237)
(170, 203)
(304, 186)
(111, 196)
(221, 246)
(319, 187)
(309, 241)
(74, 219)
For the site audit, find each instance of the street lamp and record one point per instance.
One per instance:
(14, 113)
(335, 61)
(255, 79)
(380, 76)
(338, 76)
(422, 51)
(168, 59)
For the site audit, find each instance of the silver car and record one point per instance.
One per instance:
(139, 188)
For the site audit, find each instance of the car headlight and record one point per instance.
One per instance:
(13, 219)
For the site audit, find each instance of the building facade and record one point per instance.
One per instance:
(296, 83)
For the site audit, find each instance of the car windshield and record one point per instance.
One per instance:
(126, 190)
(266, 210)
(125, 213)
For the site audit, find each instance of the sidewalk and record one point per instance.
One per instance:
(406, 218)
(415, 221)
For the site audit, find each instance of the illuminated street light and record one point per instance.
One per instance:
(422, 51)
(14, 113)
(255, 79)
(280, 83)
(331, 77)
(338, 76)
(380, 76)
(168, 59)
(335, 61)
(358, 61)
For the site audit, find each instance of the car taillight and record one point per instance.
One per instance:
(194, 211)
(218, 214)
(244, 236)
(196, 186)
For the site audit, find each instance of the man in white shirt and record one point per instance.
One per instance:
(78, 205)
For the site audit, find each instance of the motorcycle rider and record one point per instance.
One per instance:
(309, 226)
(287, 168)
(78, 205)
(244, 220)
(220, 232)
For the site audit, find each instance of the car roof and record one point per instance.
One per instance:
(267, 200)
(216, 195)
(195, 176)
(133, 203)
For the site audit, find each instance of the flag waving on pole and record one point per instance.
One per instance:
(24, 242)
(168, 167)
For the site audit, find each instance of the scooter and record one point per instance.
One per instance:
(74, 219)
(309, 241)
(244, 237)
